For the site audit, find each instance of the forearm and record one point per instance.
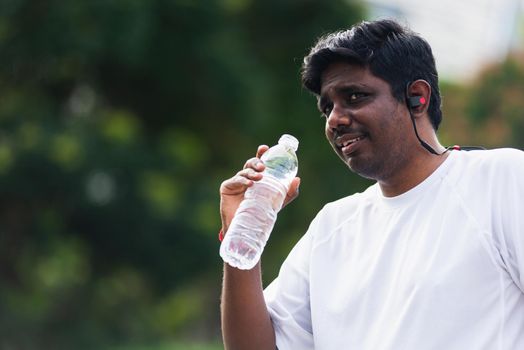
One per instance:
(245, 320)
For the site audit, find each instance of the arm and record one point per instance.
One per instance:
(245, 320)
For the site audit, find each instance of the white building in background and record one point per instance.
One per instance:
(464, 34)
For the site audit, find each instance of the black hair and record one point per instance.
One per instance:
(390, 51)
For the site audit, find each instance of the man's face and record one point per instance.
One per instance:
(367, 127)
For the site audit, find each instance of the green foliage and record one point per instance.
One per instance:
(118, 121)
(489, 110)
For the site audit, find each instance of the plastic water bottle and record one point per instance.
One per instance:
(255, 217)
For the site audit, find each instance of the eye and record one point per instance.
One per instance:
(356, 96)
(326, 110)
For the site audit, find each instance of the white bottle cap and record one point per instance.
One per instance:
(289, 140)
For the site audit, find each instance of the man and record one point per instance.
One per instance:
(429, 257)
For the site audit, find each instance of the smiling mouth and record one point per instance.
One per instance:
(349, 142)
(345, 143)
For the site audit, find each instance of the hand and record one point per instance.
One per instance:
(232, 190)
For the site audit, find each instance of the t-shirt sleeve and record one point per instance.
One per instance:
(287, 298)
(509, 210)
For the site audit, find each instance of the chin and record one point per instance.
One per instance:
(365, 168)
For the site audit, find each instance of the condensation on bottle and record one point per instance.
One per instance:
(255, 217)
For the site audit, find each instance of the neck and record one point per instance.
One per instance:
(419, 168)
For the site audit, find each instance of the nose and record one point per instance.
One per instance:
(339, 116)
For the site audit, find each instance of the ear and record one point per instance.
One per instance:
(418, 94)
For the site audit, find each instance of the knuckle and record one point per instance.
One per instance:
(249, 163)
(225, 184)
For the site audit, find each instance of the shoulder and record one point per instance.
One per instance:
(481, 176)
(491, 162)
(496, 156)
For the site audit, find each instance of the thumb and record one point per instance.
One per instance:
(293, 191)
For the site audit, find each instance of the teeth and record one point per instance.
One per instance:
(348, 142)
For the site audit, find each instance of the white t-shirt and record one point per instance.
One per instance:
(438, 267)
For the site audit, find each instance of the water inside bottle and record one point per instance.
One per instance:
(242, 254)
(282, 165)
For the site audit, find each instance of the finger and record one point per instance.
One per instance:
(250, 173)
(235, 185)
(293, 191)
(261, 150)
(255, 164)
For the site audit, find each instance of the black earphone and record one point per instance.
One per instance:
(416, 101)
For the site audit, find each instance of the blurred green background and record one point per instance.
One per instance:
(119, 119)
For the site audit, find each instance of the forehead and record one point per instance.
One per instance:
(341, 74)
